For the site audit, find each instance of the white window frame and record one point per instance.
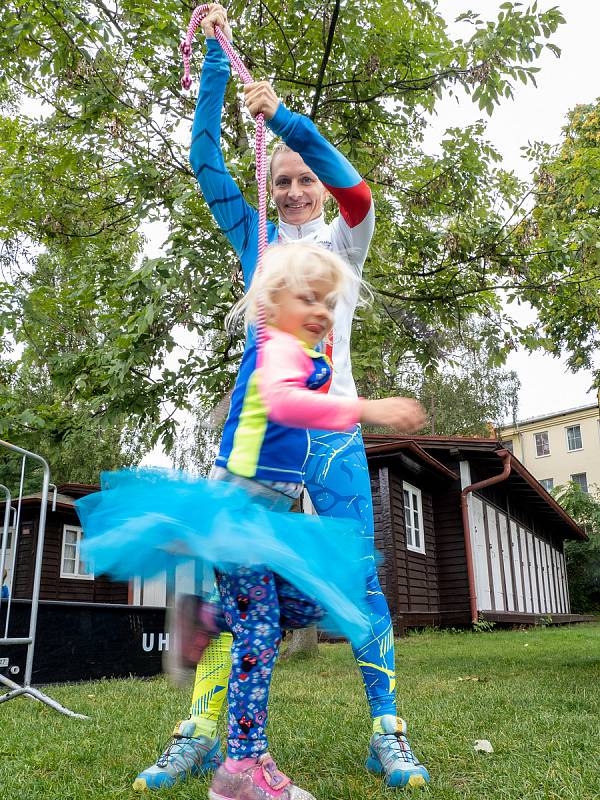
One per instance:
(546, 487)
(587, 486)
(410, 545)
(80, 576)
(9, 563)
(541, 455)
(573, 449)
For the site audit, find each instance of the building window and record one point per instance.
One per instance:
(71, 565)
(9, 539)
(542, 445)
(547, 483)
(574, 437)
(413, 518)
(580, 478)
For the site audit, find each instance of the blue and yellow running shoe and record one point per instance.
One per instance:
(184, 757)
(391, 755)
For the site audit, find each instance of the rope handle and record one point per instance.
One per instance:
(260, 138)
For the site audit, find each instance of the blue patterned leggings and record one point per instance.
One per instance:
(257, 605)
(337, 479)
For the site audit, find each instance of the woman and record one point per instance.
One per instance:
(303, 172)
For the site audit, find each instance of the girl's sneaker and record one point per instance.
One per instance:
(261, 781)
(186, 756)
(390, 754)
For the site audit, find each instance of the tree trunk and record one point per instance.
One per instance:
(302, 643)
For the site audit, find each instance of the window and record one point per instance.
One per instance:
(71, 565)
(9, 539)
(574, 437)
(413, 518)
(547, 483)
(542, 445)
(580, 478)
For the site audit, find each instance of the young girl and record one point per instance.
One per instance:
(263, 450)
(265, 441)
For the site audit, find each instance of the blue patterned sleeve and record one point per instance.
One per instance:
(234, 216)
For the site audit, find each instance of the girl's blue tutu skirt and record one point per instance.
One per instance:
(146, 521)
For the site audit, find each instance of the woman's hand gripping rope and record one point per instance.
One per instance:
(216, 16)
(260, 98)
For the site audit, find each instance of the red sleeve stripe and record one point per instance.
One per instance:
(329, 354)
(354, 202)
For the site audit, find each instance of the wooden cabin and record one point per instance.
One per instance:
(88, 626)
(467, 533)
(64, 575)
(498, 554)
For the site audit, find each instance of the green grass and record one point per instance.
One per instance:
(537, 699)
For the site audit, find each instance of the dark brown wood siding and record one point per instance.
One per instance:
(53, 586)
(452, 562)
(417, 572)
(25, 558)
(384, 539)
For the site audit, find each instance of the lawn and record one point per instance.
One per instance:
(535, 694)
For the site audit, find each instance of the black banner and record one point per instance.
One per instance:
(84, 641)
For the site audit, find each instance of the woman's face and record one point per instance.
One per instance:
(297, 192)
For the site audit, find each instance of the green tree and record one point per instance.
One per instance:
(52, 318)
(77, 443)
(109, 153)
(471, 401)
(583, 558)
(565, 225)
(466, 395)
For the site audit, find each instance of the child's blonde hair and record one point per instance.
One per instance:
(294, 266)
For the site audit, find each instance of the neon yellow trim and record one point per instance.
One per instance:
(210, 686)
(250, 433)
(315, 354)
(389, 672)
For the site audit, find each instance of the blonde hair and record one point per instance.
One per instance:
(278, 147)
(294, 266)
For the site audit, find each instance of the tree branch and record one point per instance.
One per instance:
(324, 60)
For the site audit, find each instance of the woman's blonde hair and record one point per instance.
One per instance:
(278, 147)
(294, 266)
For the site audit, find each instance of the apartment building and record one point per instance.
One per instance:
(560, 447)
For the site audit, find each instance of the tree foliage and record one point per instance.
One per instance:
(471, 401)
(467, 395)
(565, 225)
(583, 558)
(76, 442)
(107, 152)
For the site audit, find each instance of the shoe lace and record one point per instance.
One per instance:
(397, 746)
(174, 748)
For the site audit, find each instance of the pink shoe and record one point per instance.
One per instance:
(192, 624)
(261, 781)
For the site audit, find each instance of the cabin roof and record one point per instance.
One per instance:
(484, 451)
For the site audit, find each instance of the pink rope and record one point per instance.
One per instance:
(260, 140)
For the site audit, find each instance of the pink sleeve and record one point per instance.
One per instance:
(282, 387)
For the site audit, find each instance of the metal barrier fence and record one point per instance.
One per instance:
(14, 688)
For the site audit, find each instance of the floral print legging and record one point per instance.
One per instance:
(257, 605)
